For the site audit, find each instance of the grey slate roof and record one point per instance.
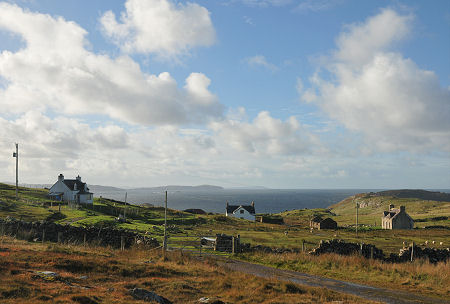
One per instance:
(80, 185)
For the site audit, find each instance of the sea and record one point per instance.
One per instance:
(266, 200)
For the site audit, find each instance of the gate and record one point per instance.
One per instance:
(204, 245)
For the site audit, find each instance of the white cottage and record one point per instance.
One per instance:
(71, 190)
(241, 211)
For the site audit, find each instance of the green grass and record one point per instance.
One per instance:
(32, 206)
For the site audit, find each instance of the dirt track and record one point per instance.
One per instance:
(363, 291)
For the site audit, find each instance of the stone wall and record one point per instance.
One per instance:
(48, 231)
(433, 255)
(344, 248)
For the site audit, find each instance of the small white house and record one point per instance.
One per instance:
(241, 211)
(71, 190)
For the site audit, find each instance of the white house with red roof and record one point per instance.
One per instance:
(71, 190)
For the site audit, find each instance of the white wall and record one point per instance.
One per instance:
(59, 187)
(245, 215)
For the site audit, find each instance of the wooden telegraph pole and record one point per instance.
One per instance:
(357, 207)
(165, 230)
(16, 155)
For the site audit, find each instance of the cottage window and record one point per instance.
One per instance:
(242, 211)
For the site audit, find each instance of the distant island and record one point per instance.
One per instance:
(182, 188)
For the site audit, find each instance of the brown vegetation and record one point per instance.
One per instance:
(104, 275)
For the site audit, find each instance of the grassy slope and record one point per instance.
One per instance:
(102, 275)
(423, 210)
(150, 219)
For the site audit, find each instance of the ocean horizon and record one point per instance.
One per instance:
(266, 200)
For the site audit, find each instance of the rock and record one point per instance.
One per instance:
(145, 295)
(210, 301)
(46, 275)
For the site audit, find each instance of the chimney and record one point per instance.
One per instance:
(402, 208)
(391, 206)
(60, 177)
(227, 204)
(75, 186)
(253, 204)
(78, 178)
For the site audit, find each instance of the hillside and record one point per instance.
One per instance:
(33, 205)
(425, 212)
(421, 194)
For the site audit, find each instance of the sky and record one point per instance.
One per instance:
(235, 93)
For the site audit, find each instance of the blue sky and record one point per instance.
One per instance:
(278, 93)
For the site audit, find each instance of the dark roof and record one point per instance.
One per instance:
(249, 208)
(391, 214)
(328, 220)
(71, 183)
(316, 219)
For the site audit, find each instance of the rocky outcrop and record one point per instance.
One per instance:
(148, 296)
(52, 232)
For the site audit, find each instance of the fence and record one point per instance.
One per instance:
(205, 245)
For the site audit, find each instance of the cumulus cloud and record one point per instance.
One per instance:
(376, 91)
(260, 60)
(60, 137)
(162, 27)
(265, 135)
(54, 71)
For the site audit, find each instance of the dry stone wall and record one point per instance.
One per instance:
(49, 231)
(433, 255)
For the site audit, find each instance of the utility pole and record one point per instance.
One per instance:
(357, 207)
(16, 155)
(125, 207)
(165, 230)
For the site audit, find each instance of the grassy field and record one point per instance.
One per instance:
(424, 212)
(101, 275)
(417, 276)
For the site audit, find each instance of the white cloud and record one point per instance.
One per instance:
(260, 60)
(359, 43)
(265, 135)
(163, 27)
(56, 72)
(248, 20)
(386, 97)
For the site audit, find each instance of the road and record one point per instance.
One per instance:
(363, 291)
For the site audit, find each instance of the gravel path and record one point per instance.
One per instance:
(363, 291)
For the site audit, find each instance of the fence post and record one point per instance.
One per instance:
(239, 243)
(371, 252)
(17, 230)
(412, 251)
(233, 245)
(122, 243)
(43, 235)
(303, 245)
